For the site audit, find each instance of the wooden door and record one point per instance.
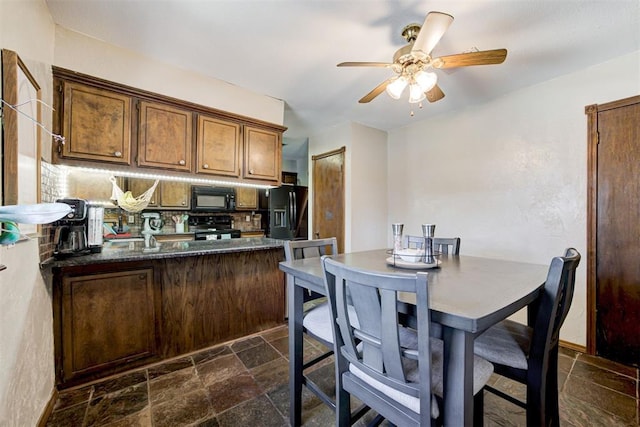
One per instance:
(96, 124)
(138, 186)
(614, 230)
(246, 198)
(328, 196)
(164, 137)
(262, 154)
(218, 150)
(175, 194)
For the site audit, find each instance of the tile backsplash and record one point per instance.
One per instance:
(50, 192)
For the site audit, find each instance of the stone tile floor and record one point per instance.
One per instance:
(244, 383)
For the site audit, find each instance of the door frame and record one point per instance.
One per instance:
(592, 208)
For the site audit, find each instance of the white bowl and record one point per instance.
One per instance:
(411, 255)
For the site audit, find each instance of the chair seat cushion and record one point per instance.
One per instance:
(506, 343)
(482, 370)
(317, 322)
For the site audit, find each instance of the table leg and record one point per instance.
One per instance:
(294, 305)
(458, 378)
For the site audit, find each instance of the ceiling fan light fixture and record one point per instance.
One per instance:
(416, 94)
(396, 87)
(426, 80)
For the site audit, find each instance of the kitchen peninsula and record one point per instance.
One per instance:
(130, 305)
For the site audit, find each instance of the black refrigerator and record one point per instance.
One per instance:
(288, 212)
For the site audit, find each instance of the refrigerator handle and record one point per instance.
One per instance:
(294, 205)
(290, 213)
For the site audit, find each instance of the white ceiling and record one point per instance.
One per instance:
(288, 49)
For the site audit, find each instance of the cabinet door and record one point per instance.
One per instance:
(246, 198)
(96, 124)
(137, 186)
(218, 150)
(262, 154)
(92, 187)
(164, 137)
(175, 195)
(108, 320)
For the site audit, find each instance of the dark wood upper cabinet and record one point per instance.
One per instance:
(246, 198)
(175, 195)
(219, 144)
(165, 136)
(96, 124)
(99, 121)
(262, 154)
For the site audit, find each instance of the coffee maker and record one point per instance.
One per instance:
(71, 232)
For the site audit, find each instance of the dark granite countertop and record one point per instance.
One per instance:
(114, 251)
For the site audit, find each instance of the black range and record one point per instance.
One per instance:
(212, 227)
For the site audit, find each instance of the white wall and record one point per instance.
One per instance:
(509, 177)
(90, 56)
(365, 182)
(26, 338)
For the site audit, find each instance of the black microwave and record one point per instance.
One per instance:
(213, 199)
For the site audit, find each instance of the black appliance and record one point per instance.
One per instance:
(212, 227)
(213, 199)
(288, 212)
(70, 236)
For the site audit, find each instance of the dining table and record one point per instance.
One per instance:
(467, 295)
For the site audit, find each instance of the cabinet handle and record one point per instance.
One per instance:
(142, 276)
(251, 171)
(206, 166)
(184, 203)
(182, 162)
(118, 154)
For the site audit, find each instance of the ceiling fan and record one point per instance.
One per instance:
(413, 62)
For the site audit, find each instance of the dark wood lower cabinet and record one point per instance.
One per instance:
(109, 318)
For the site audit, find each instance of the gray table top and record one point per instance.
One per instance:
(466, 292)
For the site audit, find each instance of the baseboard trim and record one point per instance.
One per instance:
(48, 410)
(574, 347)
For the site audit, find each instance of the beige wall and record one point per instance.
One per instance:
(509, 176)
(26, 339)
(86, 55)
(365, 182)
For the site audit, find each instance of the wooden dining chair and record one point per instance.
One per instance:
(316, 321)
(529, 354)
(443, 245)
(393, 369)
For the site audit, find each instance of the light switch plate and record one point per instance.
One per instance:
(132, 219)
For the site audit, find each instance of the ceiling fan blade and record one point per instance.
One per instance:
(434, 27)
(484, 57)
(434, 94)
(377, 91)
(364, 64)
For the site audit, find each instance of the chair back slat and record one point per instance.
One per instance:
(447, 245)
(374, 297)
(299, 249)
(443, 245)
